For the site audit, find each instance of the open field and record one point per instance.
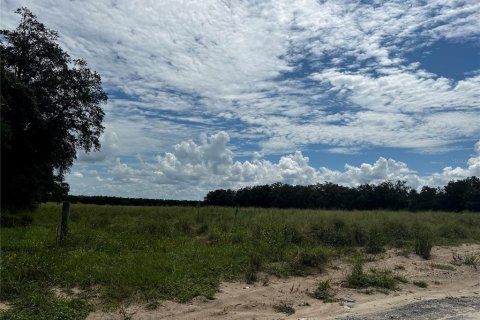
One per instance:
(120, 259)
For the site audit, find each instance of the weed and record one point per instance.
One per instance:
(443, 266)
(152, 305)
(421, 284)
(424, 243)
(471, 259)
(375, 241)
(284, 308)
(266, 280)
(378, 278)
(400, 279)
(317, 258)
(324, 292)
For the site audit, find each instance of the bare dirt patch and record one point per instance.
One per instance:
(242, 301)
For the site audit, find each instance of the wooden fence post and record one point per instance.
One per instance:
(64, 223)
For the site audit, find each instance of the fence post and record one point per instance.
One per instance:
(64, 223)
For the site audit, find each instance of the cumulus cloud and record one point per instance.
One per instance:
(192, 169)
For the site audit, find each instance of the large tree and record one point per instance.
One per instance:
(50, 107)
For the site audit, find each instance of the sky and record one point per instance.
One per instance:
(225, 94)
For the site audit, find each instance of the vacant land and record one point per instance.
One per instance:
(121, 259)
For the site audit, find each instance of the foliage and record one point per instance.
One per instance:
(377, 278)
(50, 107)
(120, 201)
(324, 292)
(456, 196)
(284, 308)
(424, 243)
(40, 303)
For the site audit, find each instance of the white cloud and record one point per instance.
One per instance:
(211, 61)
(278, 75)
(192, 169)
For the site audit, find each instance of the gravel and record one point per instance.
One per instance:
(461, 308)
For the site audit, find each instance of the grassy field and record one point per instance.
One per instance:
(116, 254)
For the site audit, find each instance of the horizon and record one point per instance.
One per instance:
(224, 95)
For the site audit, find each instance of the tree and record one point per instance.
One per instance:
(50, 107)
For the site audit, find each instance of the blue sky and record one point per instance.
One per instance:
(223, 94)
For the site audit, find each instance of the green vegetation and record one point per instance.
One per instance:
(324, 292)
(377, 278)
(284, 308)
(423, 243)
(147, 254)
(421, 284)
(443, 267)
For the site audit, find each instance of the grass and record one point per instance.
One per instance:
(324, 292)
(284, 308)
(469, 259)
(377, 278)
(446, 267)
(421, 284)
(148, 254)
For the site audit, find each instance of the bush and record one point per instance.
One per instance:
(424, 243)
(284, 308)
(315, 258)
(324, 292)
(375, 241)
(375, 278)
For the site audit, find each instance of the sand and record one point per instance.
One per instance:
(243, 301)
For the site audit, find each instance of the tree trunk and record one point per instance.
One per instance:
(64, 223)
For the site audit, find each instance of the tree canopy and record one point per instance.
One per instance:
(50, 107)
(455, 196)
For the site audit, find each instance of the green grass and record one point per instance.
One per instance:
(324, 292)
(155, 253)
(443, 266)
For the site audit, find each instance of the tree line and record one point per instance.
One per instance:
(119, 201)
(457, 195)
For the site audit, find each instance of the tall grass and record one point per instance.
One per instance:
(154, 253)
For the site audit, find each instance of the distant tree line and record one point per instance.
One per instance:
(457, 195)
(106, 200)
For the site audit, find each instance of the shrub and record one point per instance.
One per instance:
(421, 284)
(443, 266)
(375, 278)
(470, 259)
(315, 258)
(375, 241)
(324, 292)
(284, 308)
(424, 243)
